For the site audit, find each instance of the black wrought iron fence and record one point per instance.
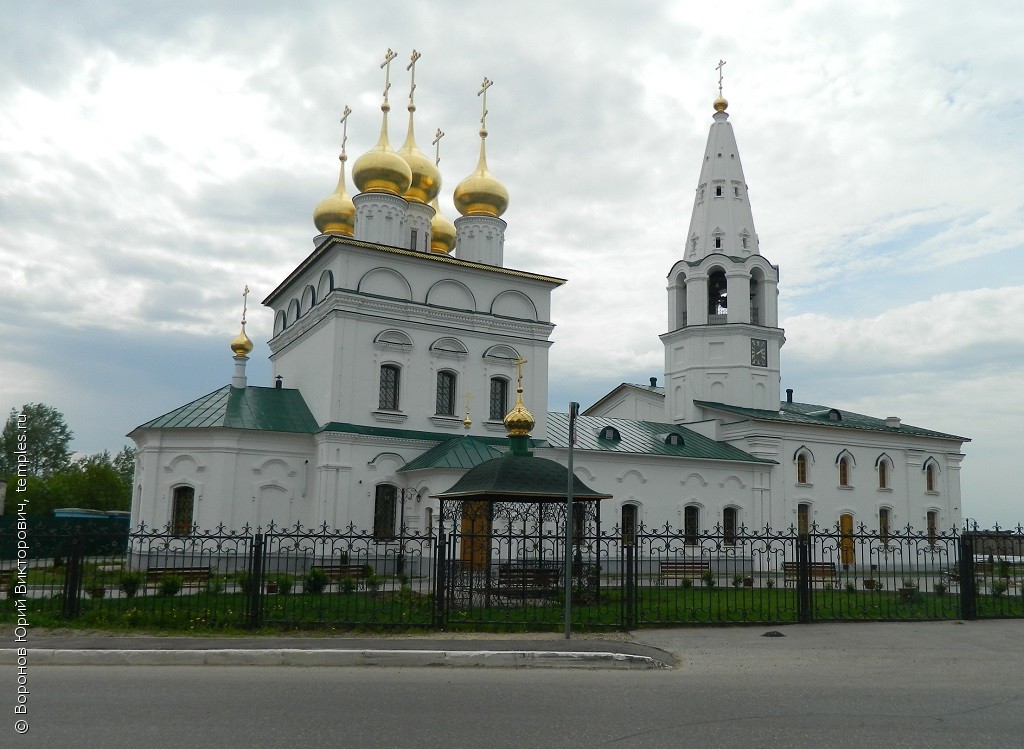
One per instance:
(507, 576)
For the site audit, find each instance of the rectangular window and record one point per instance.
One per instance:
(691, 524)
(933, 527)
(390, 377)
(182, 511)
(412, 240)
(730, 524)
(445, 394)
(499, 399)
(803, 519)
(384, 512)
(884, 517)
(628, 525)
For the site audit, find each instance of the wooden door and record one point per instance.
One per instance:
(476, 534)
(846, 549)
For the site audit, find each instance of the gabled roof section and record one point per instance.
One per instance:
(257, 408)
(412, 434)
(808, 413)
(461, 452)
(520, 477)
(642, 438)
(624, 388)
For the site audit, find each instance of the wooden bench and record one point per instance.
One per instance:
(689, 569)
(339, 571)
(517, 580)
(190, 576)
(818, 572)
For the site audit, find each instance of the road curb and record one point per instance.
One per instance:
(333, 657)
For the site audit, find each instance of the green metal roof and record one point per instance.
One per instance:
(808, 413)
(522, 477)
(258, 408)
(641, 437)
(461, 452)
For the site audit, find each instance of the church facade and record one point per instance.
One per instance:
(399, 341)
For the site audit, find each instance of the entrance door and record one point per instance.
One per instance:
(846, 549)
(476, 535)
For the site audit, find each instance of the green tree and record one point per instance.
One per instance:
(124, 464)
(47, 441)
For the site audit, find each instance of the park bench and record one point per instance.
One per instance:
(339, 571)
(689, 569)
(818, 572)
(190, 576)
(522, 580)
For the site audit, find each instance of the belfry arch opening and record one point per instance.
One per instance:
(718, 302)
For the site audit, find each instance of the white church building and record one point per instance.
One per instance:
(395, 349)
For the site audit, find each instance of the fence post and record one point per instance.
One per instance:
(630, 622)
(968, 588)
(440, 559)
(255, 582)
(803, 578)
(71, 601)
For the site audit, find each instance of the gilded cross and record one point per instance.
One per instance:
(437, 146)
(245, 302)
(344, 130)
(386, 65)
(721, 64)
(483, 91)
(519, 364)
(412, 66)
(467, 422)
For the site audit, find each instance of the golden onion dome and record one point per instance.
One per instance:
(426, 177)
(240, 344)
(480, 194)
(442, 231)
(381, 169)
(336, 214)
(519, 422)
(721, 104)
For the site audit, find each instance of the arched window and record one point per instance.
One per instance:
(609, 433)
(883, 473)
(384, 506)
(390, 384)
(499, 399)
(629, 523)
(802, 472)
(183, 511)
(930, 484)
(445, 393)
(691, 524)
(730, 525)
(844, 471)
(884, 524)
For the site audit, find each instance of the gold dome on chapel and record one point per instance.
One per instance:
(480, 194)
(426, 177)
(721, 104)
(336, 214)
(442, 231)
(240, 344)
(519, 422)
(381, 169)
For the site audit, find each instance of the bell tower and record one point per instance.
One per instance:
(723, 338)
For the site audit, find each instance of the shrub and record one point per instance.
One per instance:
(96, 590)
(769, 583)
(404, 578)
(244, 582)
(12, 582)
(939, 588)
(998, 588)
(909, 582)
(130, 583)
(686, 582)
(215, 584)
(284, 584)
(348, 584)
(851, 587)
(171, 585)
(737, 581)
(314, 581)
(373, 582)
(708, 578)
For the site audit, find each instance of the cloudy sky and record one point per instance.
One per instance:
(157, 157)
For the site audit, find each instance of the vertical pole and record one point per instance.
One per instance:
(574, 409)
(968, 592)
(803, 578)
(440, 556)
(255, 582)
(630, 586)
(73, 579)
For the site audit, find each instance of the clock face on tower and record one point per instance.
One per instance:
(758, 352)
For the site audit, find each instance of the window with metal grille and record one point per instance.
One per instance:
(844, 471)
(384, 511)
(801, 468)
(499, 398)
(933, 526)
(691, 524)
(629, 515)
(884, 523)
(390, 379)
(730, 524)
(182, 511)
(445, 394)
(803, 518)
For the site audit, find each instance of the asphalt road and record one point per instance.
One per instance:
(930, 685)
